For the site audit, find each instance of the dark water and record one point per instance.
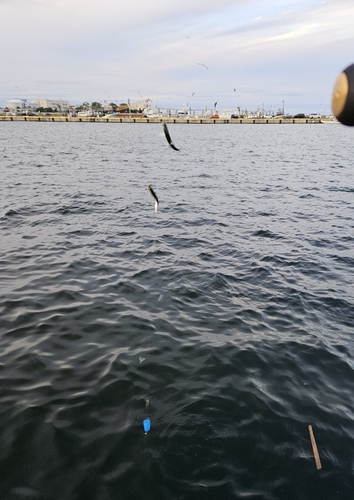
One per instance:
(239, 294)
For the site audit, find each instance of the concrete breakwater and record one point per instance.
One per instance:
(132, 119)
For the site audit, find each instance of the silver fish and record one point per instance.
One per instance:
(154, 196)
(168, 137)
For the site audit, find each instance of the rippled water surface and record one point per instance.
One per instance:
(227, 318)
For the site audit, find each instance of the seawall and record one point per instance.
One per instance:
(128, 119)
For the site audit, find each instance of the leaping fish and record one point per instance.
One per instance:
(154, 196)
(168, 137)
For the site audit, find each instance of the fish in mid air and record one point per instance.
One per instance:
(168, 137)
(154, 196)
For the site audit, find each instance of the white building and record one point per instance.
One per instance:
(20, 106)
(58, 104)
(16, 104)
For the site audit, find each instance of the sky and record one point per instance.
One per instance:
(191, 53)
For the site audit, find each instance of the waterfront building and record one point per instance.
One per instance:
(20, 106)
(57, 104)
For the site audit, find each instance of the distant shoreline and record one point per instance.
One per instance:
(131, 119)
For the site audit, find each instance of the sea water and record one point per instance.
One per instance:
(230, 310)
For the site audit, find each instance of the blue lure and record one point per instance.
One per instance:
(146, 425)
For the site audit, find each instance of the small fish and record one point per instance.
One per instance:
(154, 196)
(168, 137)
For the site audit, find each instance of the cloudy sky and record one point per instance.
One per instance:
(245, 53)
